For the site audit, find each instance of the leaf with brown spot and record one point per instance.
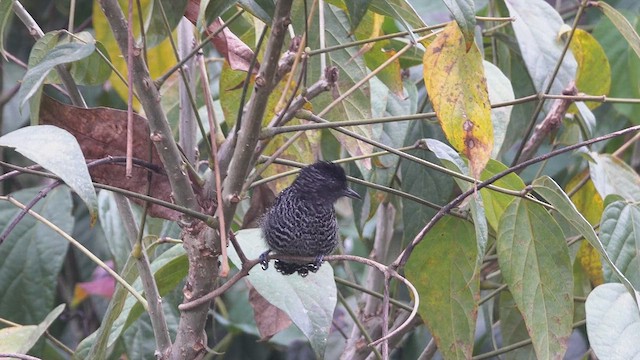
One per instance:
(457, 87)
(101, 132)
(269, 319)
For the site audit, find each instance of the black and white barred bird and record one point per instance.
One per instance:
(302, 222)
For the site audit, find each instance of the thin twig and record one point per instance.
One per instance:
(551, 122)
(80, 247)
(514, 346)
(160, 81)
(37, 33)
(161, 134)
(14, 222)
(429, 351)
(129, 151)
(358, 323)
(156, 314)
(204, 79)
(246, 267)
(209, 220)
(552, 79)
(401, 305)
(385, 317)
(18, 356)
(404, 256)
(304, 114)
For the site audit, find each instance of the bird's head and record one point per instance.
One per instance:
(324, 182)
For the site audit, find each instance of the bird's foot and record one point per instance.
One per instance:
(313, 267)
(286, 268)
(264, 259)
(319, 260)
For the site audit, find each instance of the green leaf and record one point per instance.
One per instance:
(464, 13)
(444, 270)
(537, 27)
(60, 54)
(20, 339)
(393, 134)
(111, 223)
(514, 329)
(610, 175)
(535, 264)
(622, 24)
(495, 202)
(613, 322)
(58, 151)
(399, 10)
(309, 302)
(92, 70)
(500, 90)
(422, 182)
(551, 192)
(377, 53)
(623, 62)
(621, 239)
(105, 337)
(453, 161)
(476, 205)
(262, 9)
(169, 270)
(357, 9)
(155, 26)
(351, 69)
(32, 256)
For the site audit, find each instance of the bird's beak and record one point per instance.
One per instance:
(348, 192)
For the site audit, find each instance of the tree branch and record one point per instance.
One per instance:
(551, 122)
(161, 134)
(37, 33)
(156, 314)
(404, 256)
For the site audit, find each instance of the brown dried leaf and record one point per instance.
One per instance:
(261, 200)
(269, 319)
(234, 50)
(237, 53)
(101, 132)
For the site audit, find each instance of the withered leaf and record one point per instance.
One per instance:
(269, 319)
(235, 51)
(102, 132)
(262, 198)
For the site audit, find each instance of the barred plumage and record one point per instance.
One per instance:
(302, 222)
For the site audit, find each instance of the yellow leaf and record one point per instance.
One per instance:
(455, 82)
(594, 73)
(159, 59)
(302, 150)
(588, 201)
(376, 53)
(590, 261)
